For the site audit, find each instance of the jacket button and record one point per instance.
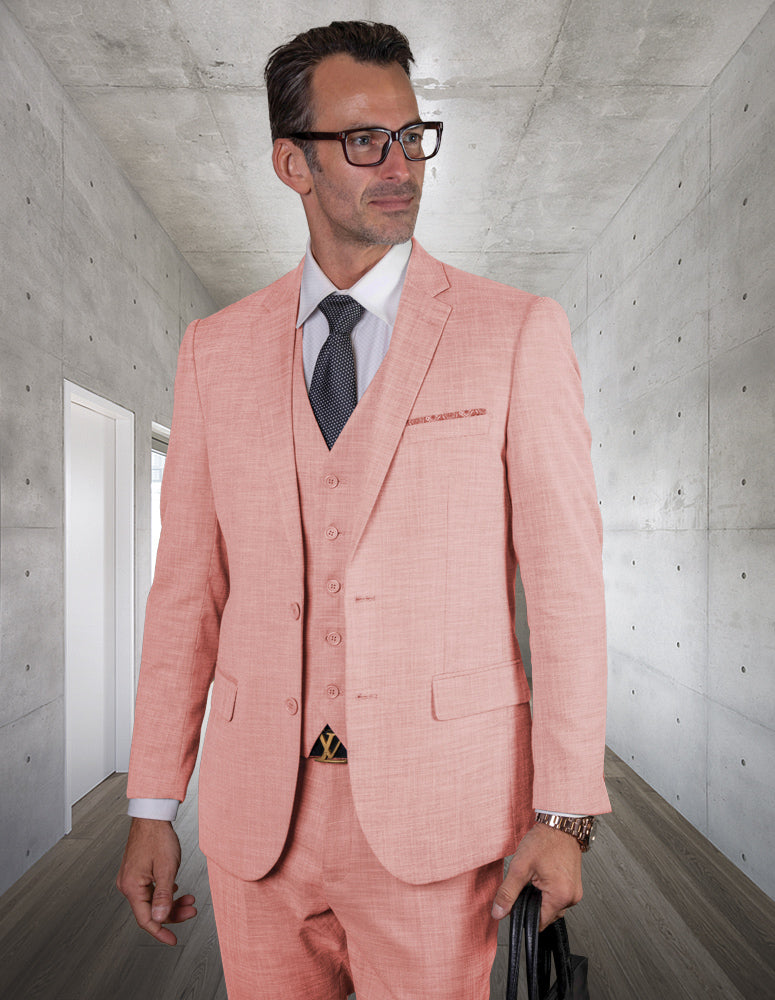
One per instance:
(332, 482)
(332, 532)
(296, 611)
(291, 706)
(333, 586)
(333, 638)
(332, 691)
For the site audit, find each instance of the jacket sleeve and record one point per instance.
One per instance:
(557, 536)
(183, 613)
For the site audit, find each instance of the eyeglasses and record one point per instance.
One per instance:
(368, 147)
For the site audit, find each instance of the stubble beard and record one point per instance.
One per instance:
(392, 230)
(389, 231)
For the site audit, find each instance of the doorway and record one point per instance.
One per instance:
(99, 590)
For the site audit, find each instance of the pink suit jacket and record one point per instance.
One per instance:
(481, 461)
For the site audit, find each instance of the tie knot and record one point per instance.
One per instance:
(342, 312)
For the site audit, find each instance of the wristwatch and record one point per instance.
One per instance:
(581, 828)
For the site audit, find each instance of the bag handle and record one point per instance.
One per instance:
(540, 949)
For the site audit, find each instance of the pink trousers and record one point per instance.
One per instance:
(329, 919)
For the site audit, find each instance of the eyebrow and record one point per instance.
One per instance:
(366, 128)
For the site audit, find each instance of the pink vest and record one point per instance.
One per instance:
(328, 486)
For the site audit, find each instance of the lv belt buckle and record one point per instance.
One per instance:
(328, 748)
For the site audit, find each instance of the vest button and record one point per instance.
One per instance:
(291, 706)
(332, 532)
(333, 639)
(332, 482)
(333, 586)
(332, 691)
(296, 611)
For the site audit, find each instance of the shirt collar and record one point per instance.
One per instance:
(378, 291)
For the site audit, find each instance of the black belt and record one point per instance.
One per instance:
(328, 748)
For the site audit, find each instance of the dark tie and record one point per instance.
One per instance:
(332, 391)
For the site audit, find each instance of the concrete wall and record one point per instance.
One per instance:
(91, 290)
(674, 319)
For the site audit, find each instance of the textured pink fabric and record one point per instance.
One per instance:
(438, 726)
(329, 919)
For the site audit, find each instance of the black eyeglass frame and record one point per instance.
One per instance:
(392, 137)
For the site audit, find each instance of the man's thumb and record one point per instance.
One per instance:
(161, 903)
(508, 891)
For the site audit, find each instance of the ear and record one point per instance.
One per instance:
(291, 167)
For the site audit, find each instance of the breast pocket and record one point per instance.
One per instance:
(437, 427)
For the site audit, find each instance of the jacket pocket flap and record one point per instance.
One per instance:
(224, 696)
(457, 695)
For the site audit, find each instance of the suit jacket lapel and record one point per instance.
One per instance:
(419, 324)
(273, 344)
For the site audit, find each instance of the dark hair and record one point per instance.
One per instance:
(289, 68)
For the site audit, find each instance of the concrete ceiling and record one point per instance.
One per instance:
(553, 110)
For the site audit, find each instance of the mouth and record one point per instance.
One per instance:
(394, 204)
(394, 199)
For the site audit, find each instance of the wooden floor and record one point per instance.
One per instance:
(664, 917)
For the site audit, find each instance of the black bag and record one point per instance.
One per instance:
(540, 949)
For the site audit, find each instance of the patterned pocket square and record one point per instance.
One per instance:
(453, 415)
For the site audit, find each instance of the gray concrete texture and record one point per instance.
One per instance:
(673, 312)
(93, 291)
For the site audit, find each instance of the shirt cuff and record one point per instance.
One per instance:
(553, 812)
(153, 808)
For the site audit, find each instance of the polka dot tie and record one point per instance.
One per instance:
(333, 391)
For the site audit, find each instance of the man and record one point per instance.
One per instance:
(342, 525)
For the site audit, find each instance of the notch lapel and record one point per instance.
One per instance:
(419, 324)
(273, 344)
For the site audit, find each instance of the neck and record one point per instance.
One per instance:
(345, 265)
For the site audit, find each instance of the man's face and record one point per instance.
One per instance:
(362, 205)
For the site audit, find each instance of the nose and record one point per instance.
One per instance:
(395, 165)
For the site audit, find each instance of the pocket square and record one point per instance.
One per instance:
(453, 415)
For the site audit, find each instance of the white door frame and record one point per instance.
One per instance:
(125, 568)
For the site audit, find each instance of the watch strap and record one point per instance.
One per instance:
(581, 828)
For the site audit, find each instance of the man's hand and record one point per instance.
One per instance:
(147, 878)
(551, 860)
